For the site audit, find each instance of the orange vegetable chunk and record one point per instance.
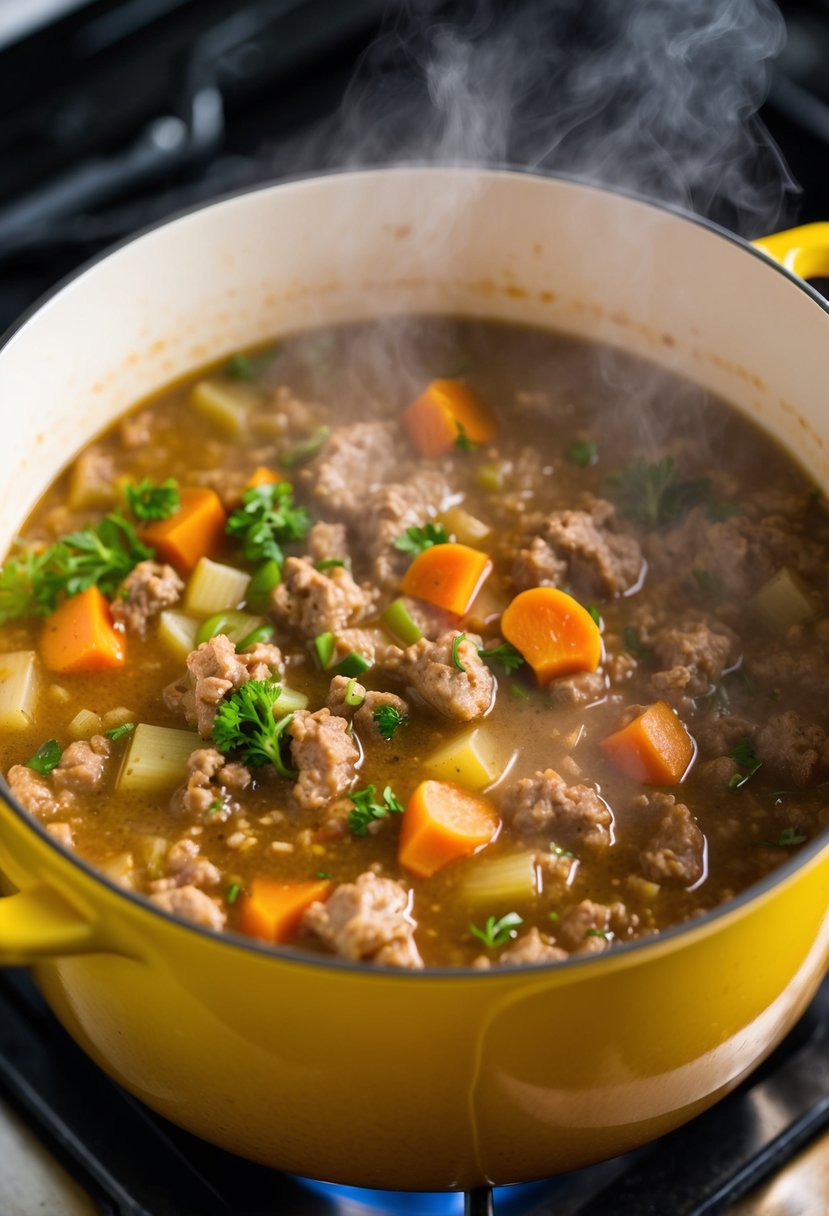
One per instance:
(654, 748)
(273, 909)
(263, 476)
(193, 532)
(447, 575)
(80, 636)
(446, 410)
(441, 823)
(554, 633)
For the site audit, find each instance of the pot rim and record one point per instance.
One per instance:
(621, 953)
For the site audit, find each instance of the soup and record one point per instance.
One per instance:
(427, 642)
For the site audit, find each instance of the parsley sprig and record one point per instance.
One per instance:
(245, 724)
(653, 493)
(746, 757)
(368, 809)
(505, 655)
(415, 540)
(147, 501)
(389, 719)
(497, 932)
(267, 519)
(46, 758)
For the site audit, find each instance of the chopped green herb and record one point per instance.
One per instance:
(244, 723)
(240, 367)
(367, 809)
(456, 641)
(353, 664)
(388, 719)
(594, 614)
(322, 874)
(583, 452)
(720, 511)
(351, 697)
(497, 932)
(233, 892)
(329, 563)
(632, 644)
(147, 500)
(307, 450)
(462, 440)
(46, 757)
(505, 655)
(597, 933)
(653, 494)
(324, 647)
(707, 582)
(215, 807)
(415, 540)
(744, 755)
(519, 692)
(266, 520)
(560, 852)
(789, 837)
(118, 732)
(552, 916)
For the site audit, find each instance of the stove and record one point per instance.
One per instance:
(115, 114)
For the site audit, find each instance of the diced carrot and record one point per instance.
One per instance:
(80, 636)
(654, 748)
(441, 823)
(447, 575)
(193, 532)
(554, 633)
(445, 412)
(262, 476)
(273, 909)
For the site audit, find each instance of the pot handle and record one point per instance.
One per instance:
(803, 250)
(39, 923)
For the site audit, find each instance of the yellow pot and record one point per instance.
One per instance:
(357, 1074)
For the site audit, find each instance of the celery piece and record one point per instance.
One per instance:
(156, 758)
(20, 684)
(492, 477)
(785, 600)
(178, 632)
(227, 405)
(302, 452)
(238, 626)
(502, 881)
(353, 664)
(399, 623)
(471, 759)
(153, 851)
(214, 587)
(324, 647)
(467, 529)
(288, 701)
(262, 584)
(84, 724)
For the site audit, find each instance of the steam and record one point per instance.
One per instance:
(660, 97)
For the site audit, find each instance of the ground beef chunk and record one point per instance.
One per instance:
(326, 756)
(148, 589)
(316, 601)
(794, 748)
(82, 766)
(582, 689)
(367, 919)
(364, 721)
(36, 794)
(136, 430)
(212, 779)
(692, 658)
(388, 512)
(214, 670)
(430, 670)
(586, 928)
(186, 868)
(336, 701)
(532, 947)
(191, 904)
(354, 460)
(327, 542)
(716, 734)
(372, 643)
(676, 853)
(581, 549)
(572, 816)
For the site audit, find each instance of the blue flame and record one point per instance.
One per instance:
(358, 1201)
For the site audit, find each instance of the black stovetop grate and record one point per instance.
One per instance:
(133, 1163)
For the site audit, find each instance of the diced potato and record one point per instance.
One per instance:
(20, 683)
(466, 528)
(84, 724)
(785, 600)
(225, 404)
(156, 759)
(288, 701)
(472, 759)
(90, 481)
(119, 868)
(117, 717)
(502, 882)
(214, 587)
(643, 888)
(177, 630)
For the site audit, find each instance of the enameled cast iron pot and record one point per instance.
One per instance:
(352, 1073)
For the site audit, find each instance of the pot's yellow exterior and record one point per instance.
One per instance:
(355, 1074)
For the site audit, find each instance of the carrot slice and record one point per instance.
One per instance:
(262, 476)
(80, 636)
(194, 531)
(441, 823)
(654, 748)
(447, 575)
(274, 909)
(554, 633)
(445, 412)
